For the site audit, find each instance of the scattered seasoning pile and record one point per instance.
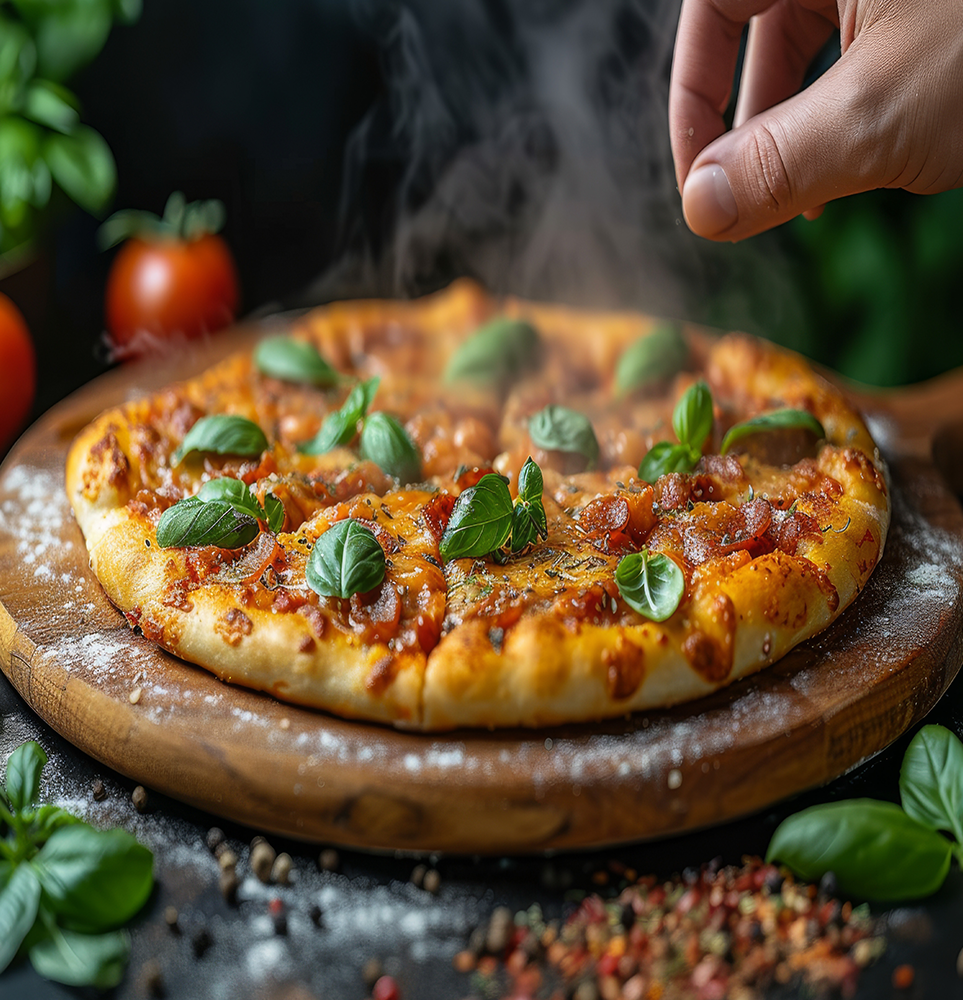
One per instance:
(716, 934)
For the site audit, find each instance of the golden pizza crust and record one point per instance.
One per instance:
(772, 553)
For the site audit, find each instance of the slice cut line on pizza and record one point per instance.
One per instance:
(462, 511)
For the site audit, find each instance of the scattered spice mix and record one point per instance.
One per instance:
(718, 934)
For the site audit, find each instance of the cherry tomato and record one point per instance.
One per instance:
(18, 371)
(165, 287)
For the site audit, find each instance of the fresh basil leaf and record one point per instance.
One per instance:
(83, 165)
(666, 457)
(346, 559)
(386, 443)
(650, 583)
(692, 416)
(273, 512)
(74, 959)
(22, 778)
(234, 491)
(931, 780)
(651, 359)
(530, 482)
(294, 361)
(95, 880)
(47, 819)
(19, 902)
(499, 352)
(875, 850)
(529, 524)
(557, 428)
(480, 522)
(777, 420)
(223, 434)
(49, 104)
(193, 521)
(340, 427)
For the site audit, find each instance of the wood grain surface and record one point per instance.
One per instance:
(830, 704)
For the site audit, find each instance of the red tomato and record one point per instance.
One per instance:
(169, 288)
(18, 371)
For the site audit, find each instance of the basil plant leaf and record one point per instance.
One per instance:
(530, 482)
(49, 818)
(19, 902)
(875, 850)
(557, 428)
(223, 434)
(498, 352)
(193, 521)
(95, 880)
(480, 522)
(666, 457)
(650, 583)
(931, 780)
(294, 361)
(74, 959)
(651, 359)
(346, 559)
(529, 524)
(385, 442)
(692, 416)
(777, 420)
(22, 778)
(340, 426)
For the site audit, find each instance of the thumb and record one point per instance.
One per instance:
(790, 159)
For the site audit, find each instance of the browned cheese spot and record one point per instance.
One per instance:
(625, 668)
(232, 626)
(382, 674)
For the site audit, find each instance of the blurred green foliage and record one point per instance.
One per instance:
(45, 150)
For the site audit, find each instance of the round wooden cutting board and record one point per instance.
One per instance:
(832, 703)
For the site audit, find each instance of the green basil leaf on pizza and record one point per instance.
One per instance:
(558, 428)
(294, 361)
(346, 559)
(222, 434)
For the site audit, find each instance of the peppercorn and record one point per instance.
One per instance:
(139, 797)
(432, 881)
(329, 860)
(262, 860)
(215, 837)
(172, 918)
(97, 790)
(281, 869)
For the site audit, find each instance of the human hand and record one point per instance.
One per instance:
(888, 113)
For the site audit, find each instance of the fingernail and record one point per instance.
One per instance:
(707, 201)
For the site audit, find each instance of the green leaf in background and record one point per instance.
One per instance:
(340, 427)
(52, 105)
(557, 428)
(692, 417)
(875, 850)
(931, 780)
(22, 778)
(498, 352)
(47, 819)
(650, 583)
(346, 559)
(95, 880)
(19, 902)
(97, 960)
(193, 521)
(294, 361)
(651, 359)
(385, 442)
(480, 522)
(83, 165)
(68, 33)
(776, 420)
(666, 457)
(223, 434)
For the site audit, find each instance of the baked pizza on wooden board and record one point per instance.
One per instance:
(829, 703)
(457, 512)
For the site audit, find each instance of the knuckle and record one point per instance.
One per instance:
(766, 168)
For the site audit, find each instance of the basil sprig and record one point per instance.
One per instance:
(386, 443)
(346, 559)
(651, 359)
(692, 422)
(223, 434)
(878, 850)
(650, 583)
(65, 888)
(224, 513)
(486, 522)
(498, 352)
(341, 426)
(294, 361)
(557, 428)
(776, 420)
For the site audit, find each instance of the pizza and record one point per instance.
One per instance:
(468, 511)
